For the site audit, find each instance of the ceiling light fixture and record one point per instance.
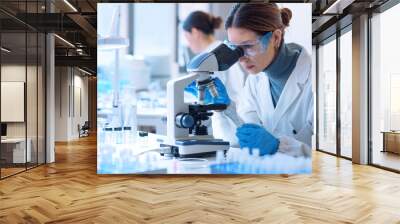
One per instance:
(337, 7)
(5, 50)
(84, 71)
(65, 41)
(70, 5)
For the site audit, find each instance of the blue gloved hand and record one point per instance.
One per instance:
(254, 136)
(222, 97)
(192, 88)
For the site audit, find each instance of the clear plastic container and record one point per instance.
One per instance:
(143, 138)
(108, 135)
(129, 120)
(129, 135)
(118, 135)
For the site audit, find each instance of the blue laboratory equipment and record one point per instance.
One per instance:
(241, 161)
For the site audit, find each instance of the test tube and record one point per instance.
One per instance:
(108, 135)
(220, 156)
(143, 137)
(118, 135)
(256, 152)
(127, 135)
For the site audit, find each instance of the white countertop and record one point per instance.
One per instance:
(124, 159)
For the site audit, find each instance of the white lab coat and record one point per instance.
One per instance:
(292, 119)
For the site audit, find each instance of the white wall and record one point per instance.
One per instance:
(12, 73)
(79, 117)
(222, 10)
(62, 81)
(300, 26)
(33, 126)
(154, 36)
(70, 83)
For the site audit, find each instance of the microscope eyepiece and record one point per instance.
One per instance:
(219, 59)
(226, 57)
(239, 51)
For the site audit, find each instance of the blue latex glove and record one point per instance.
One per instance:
(192, 88)
(222, 97)
(254, 136)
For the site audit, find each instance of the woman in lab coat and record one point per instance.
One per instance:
(277, 101)
(199, 30)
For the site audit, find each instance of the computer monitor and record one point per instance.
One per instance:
(3, 129)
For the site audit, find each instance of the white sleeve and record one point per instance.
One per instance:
(235, 82)
(293, 147)
(225, 123)
(247, 108)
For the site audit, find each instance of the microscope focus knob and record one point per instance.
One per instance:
(184, 120)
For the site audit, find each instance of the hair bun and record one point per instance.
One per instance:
(286, 15)
(216, 22)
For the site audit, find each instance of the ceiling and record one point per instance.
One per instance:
(76, 23)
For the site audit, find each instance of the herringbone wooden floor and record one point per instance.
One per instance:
(70, 191)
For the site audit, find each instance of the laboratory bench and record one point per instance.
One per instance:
(142, 157)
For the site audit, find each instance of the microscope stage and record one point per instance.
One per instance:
(198, 147)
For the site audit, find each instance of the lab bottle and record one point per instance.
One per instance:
(132, 123)
(143, 138)
(118, 135)
(129, 135)
(116, 123)
(129, 115)
(108, 135)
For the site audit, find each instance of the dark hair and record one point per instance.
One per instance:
(202, 21)
(258, 17)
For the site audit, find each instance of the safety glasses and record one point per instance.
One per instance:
(252, 48)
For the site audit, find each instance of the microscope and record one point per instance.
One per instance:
(187, 135)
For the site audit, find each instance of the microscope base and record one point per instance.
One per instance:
(199, 147)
